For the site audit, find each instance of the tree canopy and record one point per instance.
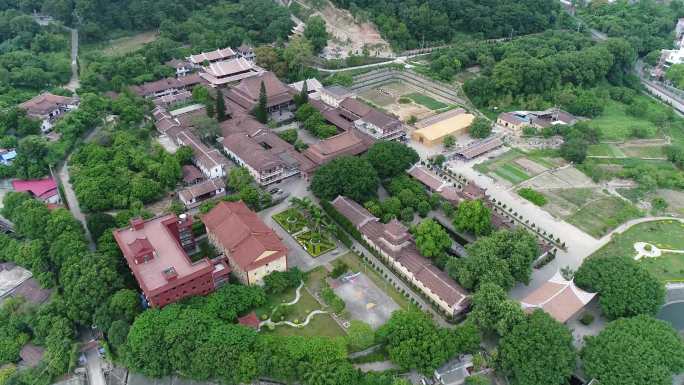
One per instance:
(431, 239)
(391, 159)
(353, 177)
(415, 342)
(634, 351)
(624, 286)
(537, 351)
(503, 258)
(474, 217)
(493, 311)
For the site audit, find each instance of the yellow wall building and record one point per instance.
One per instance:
(436, 132)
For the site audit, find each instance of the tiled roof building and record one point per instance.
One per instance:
(252, 248)
(393, 241)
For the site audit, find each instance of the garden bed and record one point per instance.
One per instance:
(291, 220)
(314, 243)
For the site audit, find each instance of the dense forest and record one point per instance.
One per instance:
(223, 25)
(647, 24)
(32, 57)
(414, 23)
(555, 67)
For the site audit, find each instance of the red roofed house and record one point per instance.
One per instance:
(156, 252)
(253, 249)
(41, 189)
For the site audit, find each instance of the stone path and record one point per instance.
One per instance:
(298, 295)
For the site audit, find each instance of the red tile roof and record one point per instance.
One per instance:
(248, 241)
(39, 188)
(249, 320)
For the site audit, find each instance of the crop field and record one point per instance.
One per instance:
(511, 173)
(516, 166)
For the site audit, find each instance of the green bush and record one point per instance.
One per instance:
(339, 269)
(533, 196)
(587, 319)
(336, 303)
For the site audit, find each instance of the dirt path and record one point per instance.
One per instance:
(75, 81)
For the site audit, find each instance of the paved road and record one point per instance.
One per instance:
(580, 245)
(75, 82)
(72, 201)
(70, 195)
(94, 368)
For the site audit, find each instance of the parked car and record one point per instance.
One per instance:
(278, 195)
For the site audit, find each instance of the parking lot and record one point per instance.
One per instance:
(365, 300)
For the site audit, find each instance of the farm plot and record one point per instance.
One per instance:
(516, 166)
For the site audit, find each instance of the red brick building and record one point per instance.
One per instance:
(156, 251)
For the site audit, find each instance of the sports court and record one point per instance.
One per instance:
(365, 300)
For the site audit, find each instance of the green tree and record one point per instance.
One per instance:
(538, 351)
(297, 54)
(501, 258)
(480, 128)
(98, 223)
(574, 150)
(90, 274)
(625, 287)
(493, 311)
(349, 176)
(261, 110)
(474, 217)
(449, 141)
(431, 239)
(316, 33)
(239, 178)
(413, 341)
(220, 106)
(360, 335)
(32, 155)
(391, 159)
(634, 351)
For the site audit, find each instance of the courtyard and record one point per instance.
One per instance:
(404, 101)
(365, 300)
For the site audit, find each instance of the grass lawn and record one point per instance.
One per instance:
(426, 101)
(664, 234)
(615, 124)
(600, 216)
(320, 325)
(512, 173)
(128, 44)
(291, 220)
(315, 244)
(605, 149)
(356, 264)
